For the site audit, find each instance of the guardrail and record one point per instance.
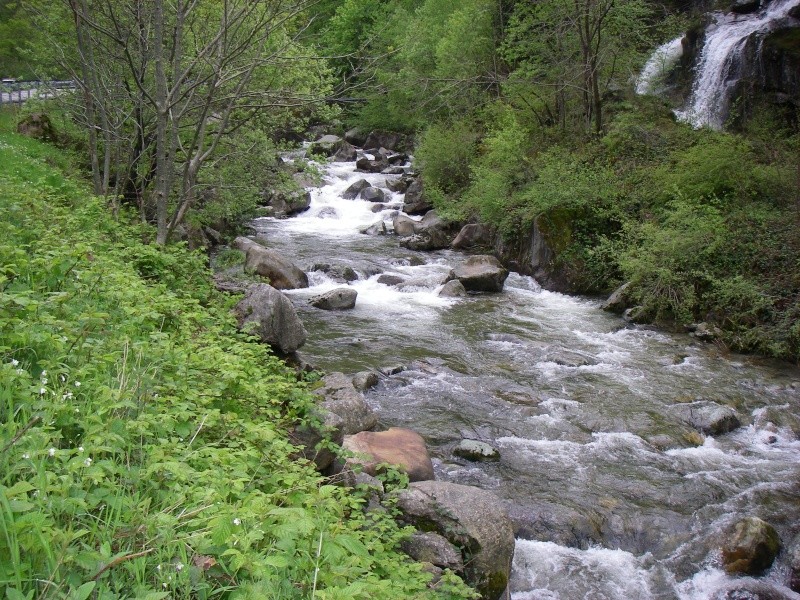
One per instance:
(18, 92)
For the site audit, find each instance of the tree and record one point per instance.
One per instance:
(163, 83)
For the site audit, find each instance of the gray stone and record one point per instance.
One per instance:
(476, 450)
(287, 203)
(453, 289)
(751, 590)
(482, 273)
(272, 317)
(373, 194)
(342, 399)
(473, 235)
(705, 332)
(345, 152)
(352, 192)
(415, 202)
(378, 207)
(377, 228)
(708, 417)
(392, 370)
(429, 547)
(752, 548)
(365, 380)
(398, 185)
(356, 136)
(368, 165)
(617, 302)
(282, 273)
(324, 425)
(471, 519)
(338, 299)
(325, 146)
(385, 139)
(403, 225)
(388, 279)
(793, 560)
(341, 273)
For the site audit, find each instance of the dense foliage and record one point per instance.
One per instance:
(143, 442)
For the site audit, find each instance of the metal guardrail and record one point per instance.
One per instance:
(18, 92)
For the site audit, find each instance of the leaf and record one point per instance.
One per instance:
(83, 592)
(21, 487)
(14, 594)
(352, 545)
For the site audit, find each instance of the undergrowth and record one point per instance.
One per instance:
(143, 442)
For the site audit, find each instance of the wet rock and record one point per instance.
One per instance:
(474, 521)
(751, 590)
(473, 235)
(385, 139)
(392, 370)
(453, 289)
(323, 425)
(343, 273)
(709, 417)
(617, 302)
(705, 332)
(419, 243)
(567, 358)
(743, 7)
(793, 561)
(373, 194)
(399, 185)
(328, 213)
(356, 136)
(270, 315)
(352, 192)
(393, 171)
(325, 146)
(415, 202)
(476, 450)
(398, 446)
(345, 152)
(282, 273)
(387, 279)
(368, 165)
(365, 380)
(482, 273)
(403, 225)
(429, 547)
(377, 228)
(287, 203)
(398, 158)
(338, 299)
(341, 398)
(378, 207)
(752, 548)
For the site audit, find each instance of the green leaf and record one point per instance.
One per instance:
(83, 592)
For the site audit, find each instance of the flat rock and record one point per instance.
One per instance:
(482, 273)
(338, 299)
(403, 448)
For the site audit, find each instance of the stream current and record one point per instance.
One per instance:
(609, 492)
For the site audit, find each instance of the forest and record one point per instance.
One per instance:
(145, 444)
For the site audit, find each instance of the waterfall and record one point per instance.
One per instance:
(660, 63)
(718, 68)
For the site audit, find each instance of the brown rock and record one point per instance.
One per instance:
(398, 446)
(752, 548)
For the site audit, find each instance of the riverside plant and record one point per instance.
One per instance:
(143, 441)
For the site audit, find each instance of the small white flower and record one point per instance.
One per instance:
(20, 371)
(77, 384)
(42, 391)
(14, 362)
(164, 585)
(80, 448)
(51, 452)
(237, 521)
(44, 374)
(44, 380)
(26, 456)
(35, 493)
(88, 462)
(77, 410)
(63, 378)
(179, 566)
(158, 567)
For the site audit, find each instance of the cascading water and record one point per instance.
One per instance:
(718, 68)
(610, 495)
(659, 64)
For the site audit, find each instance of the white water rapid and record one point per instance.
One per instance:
(611, 496)
(717, 70)
(658, 65)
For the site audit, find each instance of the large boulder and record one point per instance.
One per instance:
(322, 425)
(471, 519)
(452, 289)
(431, 233)
(345, 152)
(338, 299)
(325, 146)
(793, 559)
(403, 225)
(338, 272)
(398, 185)
(385, 139)
(708, 417)
(287, 203)
(356, 136)
(272, 317)
(752, 548)
(482, 273)
(341, 398)
(617, 302)
(430, 547)
(38, 126)
(371, 165)
(282, 273)
(473, 235)
(373, 194)
(352, 192)
(403, 448)
(415, 202)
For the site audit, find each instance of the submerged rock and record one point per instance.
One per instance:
(338, 299)
(403, 448)
(453, 289)
(272, 317)
(617, 302)
(471, 519)
(352, 192)
(372, 194)
(476, 450)
(365, 380)
(752, 548)
(709, 417)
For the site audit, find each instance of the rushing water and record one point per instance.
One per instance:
(665, 57)
(610, 497)
(718, 68)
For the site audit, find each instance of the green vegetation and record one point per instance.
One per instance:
(143, 442)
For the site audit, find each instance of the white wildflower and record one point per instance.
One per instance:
(80, 448)
(179, 566)
(237, 521)
(20, 371)
(77, 384)
(51, 452)
(42, 391)
(44, 374)
(26, 456)
(88, 462)
(158, 567)
(14, 362)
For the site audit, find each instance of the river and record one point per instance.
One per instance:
(610, 494)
